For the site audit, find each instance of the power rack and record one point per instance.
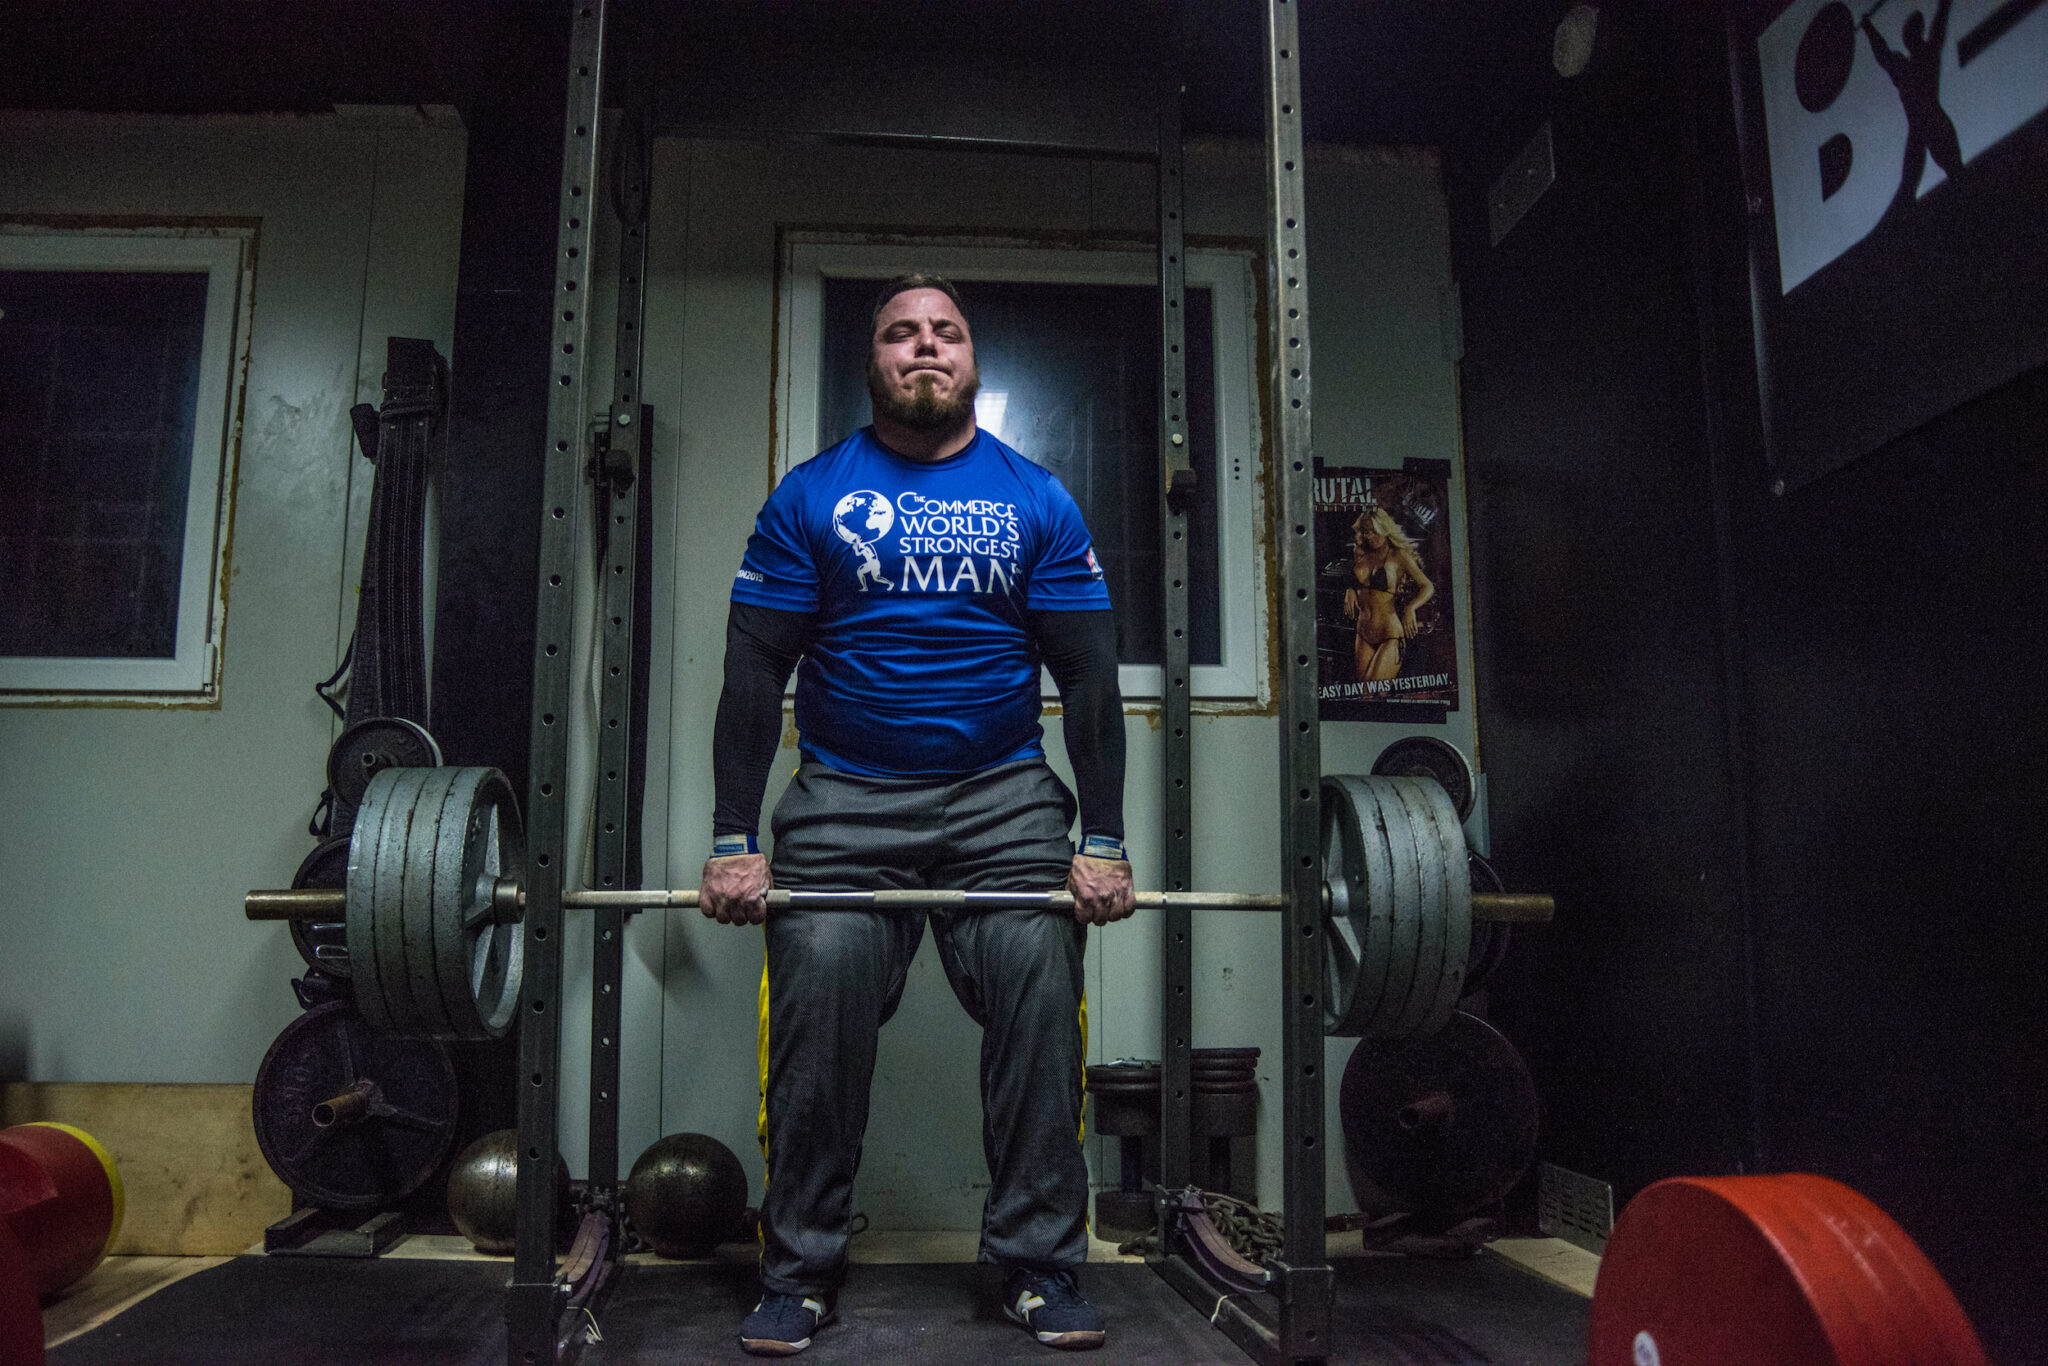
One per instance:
(546, 1311)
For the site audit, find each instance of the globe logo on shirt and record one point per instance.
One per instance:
(860, 519)
(863, 517)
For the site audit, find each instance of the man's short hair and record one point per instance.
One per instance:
(917, 279)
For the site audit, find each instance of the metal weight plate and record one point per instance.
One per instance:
(1770, 1268)
(1418, 825)
(323, 944)
(412, 927)
(1358, 929)
(349, 1118)
(1425, 756)
(478, 839)
(1437, 1125)
(369, 747)
(376, 898)
(1404, 878)
(430, 958)
(1490, 938)
(1346, 921)
(1456, 910)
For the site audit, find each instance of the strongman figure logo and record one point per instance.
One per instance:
(862, 518)
(1917, 74)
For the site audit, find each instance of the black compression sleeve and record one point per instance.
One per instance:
(761, 646)
(1080, 650)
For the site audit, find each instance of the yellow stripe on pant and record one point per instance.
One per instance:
(761, 1058)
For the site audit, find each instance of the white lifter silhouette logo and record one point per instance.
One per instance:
(862, 518)
(1867, 109)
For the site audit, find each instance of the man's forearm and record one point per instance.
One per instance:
(762, 645)
(1079, 649)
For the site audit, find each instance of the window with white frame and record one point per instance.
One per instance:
(119, 362)
(1067, 342)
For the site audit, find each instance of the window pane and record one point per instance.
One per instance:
(1070, 377)
(99, 383)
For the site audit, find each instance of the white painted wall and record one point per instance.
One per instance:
(128, 836)
(1385, 391)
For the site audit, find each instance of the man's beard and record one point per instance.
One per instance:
(924, 410)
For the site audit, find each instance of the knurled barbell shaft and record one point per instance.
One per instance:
(326, 904)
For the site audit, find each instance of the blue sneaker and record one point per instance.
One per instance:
(781, 1325)
(1051, 1308)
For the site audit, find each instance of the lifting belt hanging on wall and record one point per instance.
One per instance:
(390, 675)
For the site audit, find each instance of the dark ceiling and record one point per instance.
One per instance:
(1374, 71)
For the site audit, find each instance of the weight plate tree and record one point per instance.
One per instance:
(351, 1118)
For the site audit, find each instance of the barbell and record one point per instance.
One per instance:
(435, 899)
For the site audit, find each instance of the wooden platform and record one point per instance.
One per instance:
(195, 1182)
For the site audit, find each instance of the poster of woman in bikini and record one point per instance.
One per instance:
(1385, 646)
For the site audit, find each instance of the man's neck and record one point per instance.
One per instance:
(924, 447)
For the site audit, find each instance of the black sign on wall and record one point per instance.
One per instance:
(1896, 160)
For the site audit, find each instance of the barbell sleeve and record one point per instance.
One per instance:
(1514, 907)
(306, 903)
(331, 904)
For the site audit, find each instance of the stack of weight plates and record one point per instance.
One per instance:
(1126, 1099)
(1226, 1092)
(1125, 1106)
(1399, 906)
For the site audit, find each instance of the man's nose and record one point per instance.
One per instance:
(927, 341)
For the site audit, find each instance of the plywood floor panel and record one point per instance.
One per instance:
(195, 1181)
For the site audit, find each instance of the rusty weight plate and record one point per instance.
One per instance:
(369, 747)
(371, 1151)
(323, 944)
(1438, 1125)
(1425, 756)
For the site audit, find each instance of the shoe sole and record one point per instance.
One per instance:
(772, 1347)
(1074, 1340)
(1079, 1338)
(776, 1347)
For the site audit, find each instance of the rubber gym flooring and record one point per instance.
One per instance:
(312, 1312)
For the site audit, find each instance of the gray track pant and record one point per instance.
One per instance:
(835, 977)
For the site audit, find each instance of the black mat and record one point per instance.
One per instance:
(913, 1315)
(312, 1312)
(1401, 1311)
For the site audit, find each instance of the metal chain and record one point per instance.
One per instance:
(1253, 1234)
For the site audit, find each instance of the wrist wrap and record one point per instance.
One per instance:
(1103, 847)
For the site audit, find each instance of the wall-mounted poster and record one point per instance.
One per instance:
(1896, 153)
(1385, 647)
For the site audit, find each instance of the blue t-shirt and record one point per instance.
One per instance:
(921, 666)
